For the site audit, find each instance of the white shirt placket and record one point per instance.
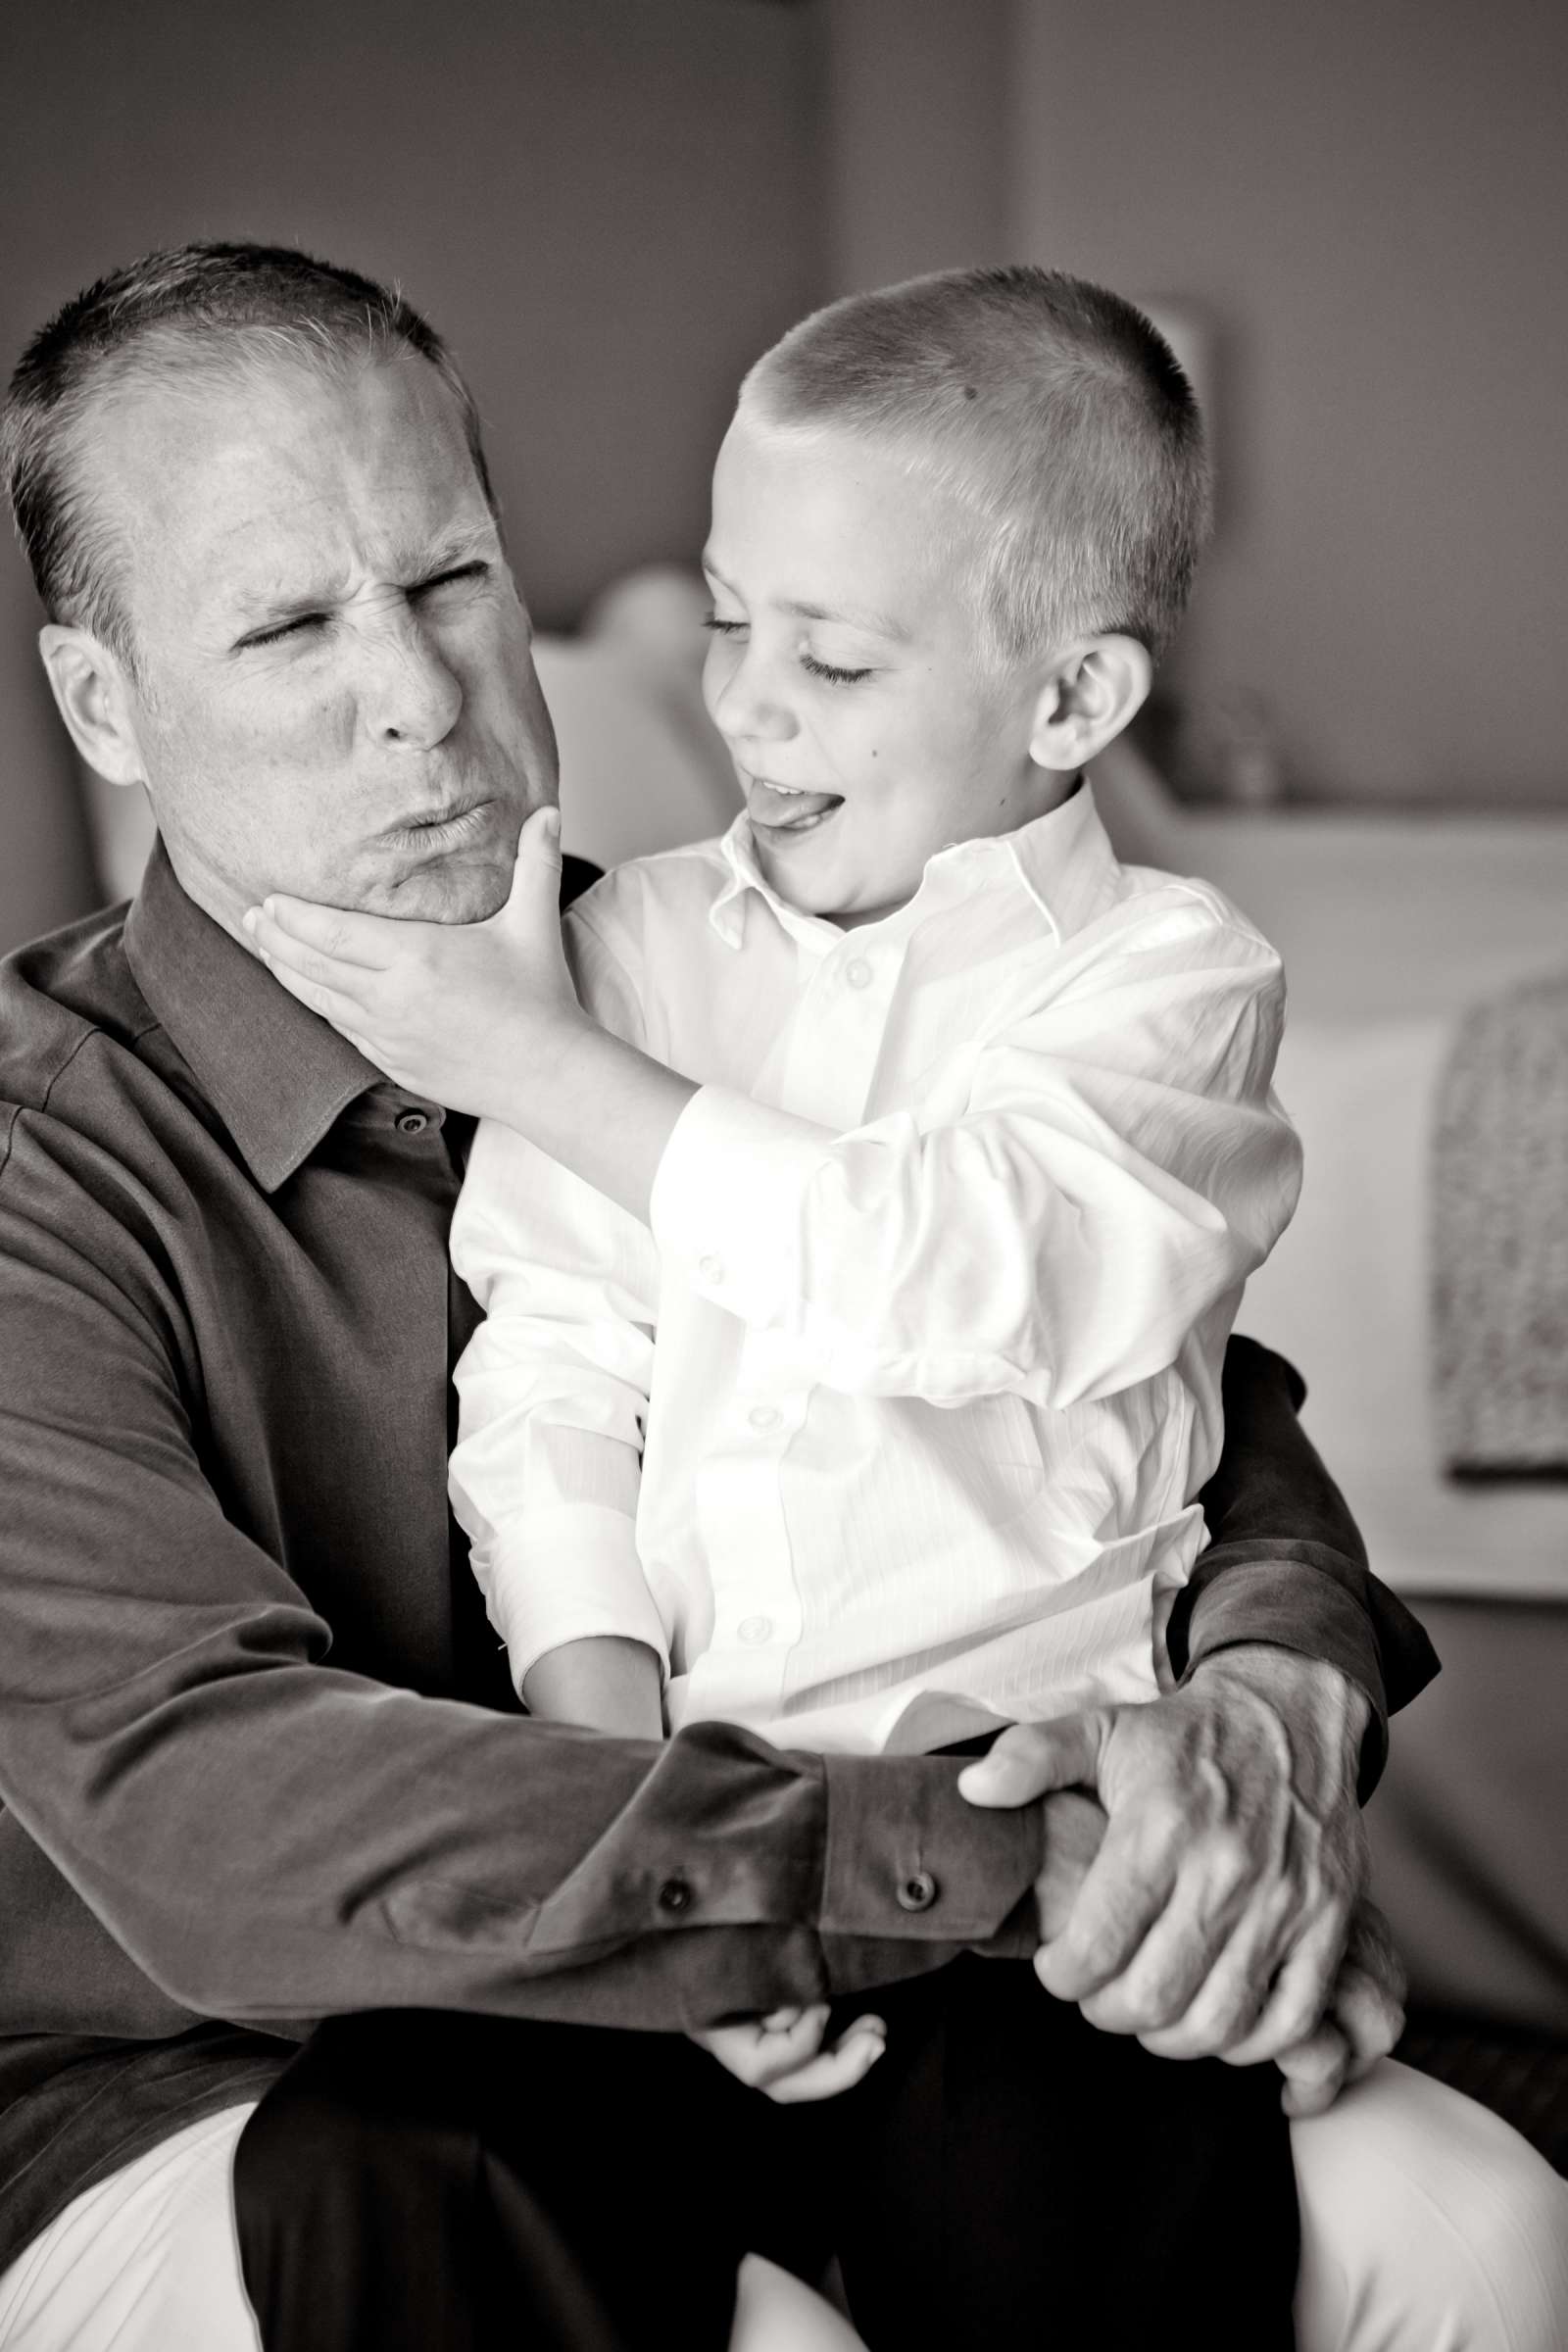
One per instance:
(828, 1065)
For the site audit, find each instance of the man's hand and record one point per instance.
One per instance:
(1364, 2020)
(1214, 1917)
(782, 2054)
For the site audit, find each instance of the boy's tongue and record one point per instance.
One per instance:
(768, 806)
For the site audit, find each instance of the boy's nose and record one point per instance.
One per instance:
(746, 710)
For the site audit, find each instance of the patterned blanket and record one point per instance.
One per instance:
(1500, 1239)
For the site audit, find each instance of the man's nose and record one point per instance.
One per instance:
(409, 698)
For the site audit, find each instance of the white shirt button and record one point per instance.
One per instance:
(711, 1269)
(858, 972)
(755, 1630)
(762, 1416)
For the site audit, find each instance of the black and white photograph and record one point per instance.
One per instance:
(783, 1176)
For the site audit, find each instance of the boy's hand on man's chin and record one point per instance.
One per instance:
(450, 1010)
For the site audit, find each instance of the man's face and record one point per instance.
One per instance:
(847, 674)
(336, 692)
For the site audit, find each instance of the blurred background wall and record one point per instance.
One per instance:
(610, 206)
(1368, 199)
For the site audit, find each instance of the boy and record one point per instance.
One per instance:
(858, 1382)
(984, 1293)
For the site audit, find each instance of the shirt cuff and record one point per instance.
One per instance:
(568, 1574)
(908, 1860)
(1281, 1596)
(727, 1196)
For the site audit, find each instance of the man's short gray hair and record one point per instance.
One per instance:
(1054, 414)
(217, 307)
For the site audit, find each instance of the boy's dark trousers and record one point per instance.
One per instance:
(421, 2182)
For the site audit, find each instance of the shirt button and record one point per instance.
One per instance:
(675, 1894)
(917, 1892)
(755, 1630)
(413, 1123)
(711, 1269)
(858, 973)
(762, 1416)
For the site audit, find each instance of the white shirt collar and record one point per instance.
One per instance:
(1063, 861)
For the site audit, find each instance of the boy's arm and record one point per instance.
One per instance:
(605, 1682)
(553, 1395)
(1118, 1168)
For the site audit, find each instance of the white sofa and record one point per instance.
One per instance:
(1390, 926)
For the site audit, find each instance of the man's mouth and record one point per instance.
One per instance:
(428, 832)
(788, 809)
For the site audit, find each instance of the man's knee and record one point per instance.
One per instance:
(1427, 2226)
(142, 2262)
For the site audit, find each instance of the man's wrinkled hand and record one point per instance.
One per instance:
(782, 2055)
(1364, 2020)
(1214, 1916)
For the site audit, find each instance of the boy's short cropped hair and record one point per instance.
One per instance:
(1050, 409)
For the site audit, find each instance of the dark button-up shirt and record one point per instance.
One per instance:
(258, 1758)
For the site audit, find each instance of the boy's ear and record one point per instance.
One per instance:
(1090, 693)
(95, 700)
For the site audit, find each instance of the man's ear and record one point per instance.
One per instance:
(1091, 691)
(95, 700)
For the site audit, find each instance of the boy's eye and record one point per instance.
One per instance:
(721, 629)
(832, 675)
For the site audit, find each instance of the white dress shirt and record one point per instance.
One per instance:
(941, 1262)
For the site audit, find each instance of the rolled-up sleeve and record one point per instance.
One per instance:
(1120, 1166)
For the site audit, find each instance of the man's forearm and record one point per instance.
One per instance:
(1285, 1566)
(299, 1846)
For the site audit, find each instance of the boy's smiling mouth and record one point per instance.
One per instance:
(788, 807)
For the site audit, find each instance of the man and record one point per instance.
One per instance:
(260, 1762)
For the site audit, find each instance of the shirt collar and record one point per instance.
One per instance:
(1063, 861)
(727, 913)
(276, 1075)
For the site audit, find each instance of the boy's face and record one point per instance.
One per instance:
(846, 673)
